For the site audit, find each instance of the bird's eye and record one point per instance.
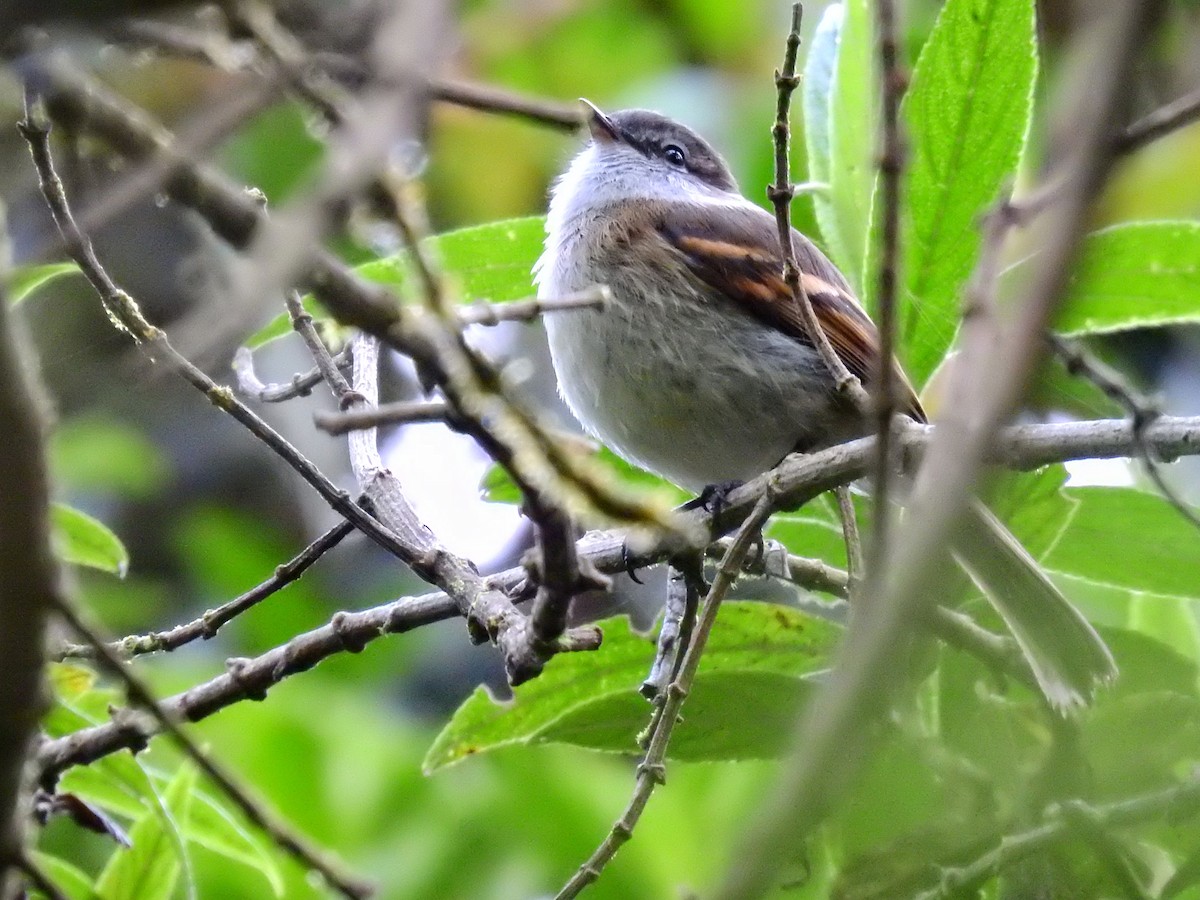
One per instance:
(673, 154)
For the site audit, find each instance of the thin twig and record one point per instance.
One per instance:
(1178, 802)
(125, 314)
(244, 679)
(401, 413)
(797, 480)
(207, 625)
(891, 166)
(850, 535)
(471, 385)
(1142, 412)
(1092, 830)
(525, 310)
(679, 612)
(780, 194)
(489, 98)
(1162, 121)
(204, 44)
(282, 48)
(300, 385)
(326, 364)
(489, 613)
(281, 834)
(651, 772)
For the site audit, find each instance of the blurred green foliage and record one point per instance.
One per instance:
(968, 758)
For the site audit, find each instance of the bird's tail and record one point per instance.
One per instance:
(1066, 655)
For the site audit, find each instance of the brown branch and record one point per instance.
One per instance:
(207, 625)
(291, 59)
(850, 534)
(489, 613)
(470, 384)
(684, 583)
(236, 217)
(127, 316)
(301, 385)
(780, 194)
(1161, 122)
(1173, 803)
(526, 310)
(489, 98)
(524, 652)
(29, 577)
(244, 679)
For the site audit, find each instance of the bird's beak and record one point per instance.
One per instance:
(600, 125)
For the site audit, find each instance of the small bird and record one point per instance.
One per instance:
(701, 370)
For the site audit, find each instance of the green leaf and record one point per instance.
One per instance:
(70, 680)
(214, 826)
(1123, 722)
(839, 107)
(492, 263)
(95, 454)
(1171, 620)
(1033, 506)
(817, 94)
(84, 541)
(1130, 539)
(1139, 275)
(150, 868)
(757, 668)
(71, 880)
(25, 280)
(967, 112)
(210, 822)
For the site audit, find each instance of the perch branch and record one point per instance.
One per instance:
(797, 480)
(651, 772)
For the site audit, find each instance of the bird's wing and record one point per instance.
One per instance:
(737, 254)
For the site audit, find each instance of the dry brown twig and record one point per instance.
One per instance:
(207, 625)
(780, 194)
(891, 166)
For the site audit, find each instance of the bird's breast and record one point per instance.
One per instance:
(671, 375)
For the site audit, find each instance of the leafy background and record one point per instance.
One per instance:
(368, 754)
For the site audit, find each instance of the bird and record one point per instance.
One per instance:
(700, 368)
